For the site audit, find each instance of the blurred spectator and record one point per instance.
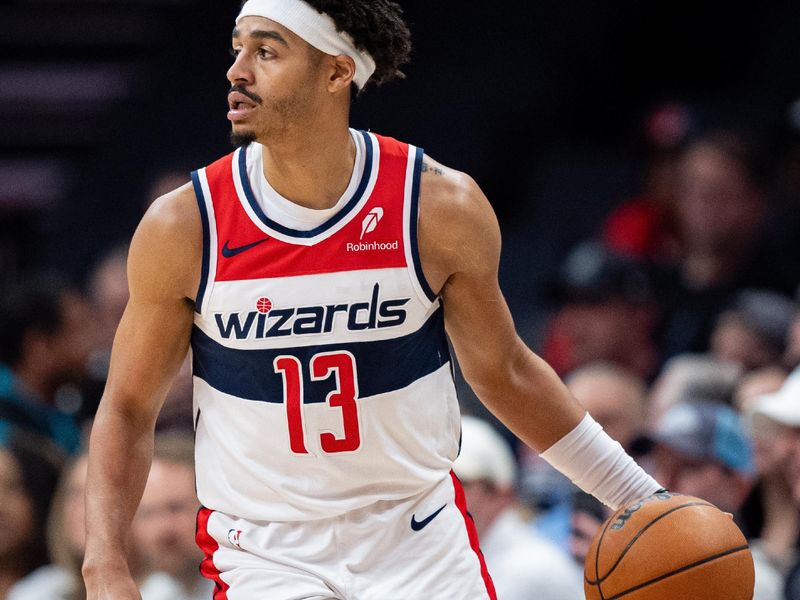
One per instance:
(720, 208)
(775, 545)
(521, 564)
(752, 331)
(66, 542)
(108, 294)
(61, 580)
(782, 409)
(607, 312)
(702, 450)
(164, 526)
(176, 413)
(757, 383)
(108, 288)
(721, 211)
(28, 475)
(588, 516)
(644, 227)
(549, 493)
(791, 357)
(45, 339)
(688, 372)
(614, 396)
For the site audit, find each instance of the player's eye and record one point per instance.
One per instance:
(234, 52)
(265, 53)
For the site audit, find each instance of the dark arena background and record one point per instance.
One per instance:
(543, 103)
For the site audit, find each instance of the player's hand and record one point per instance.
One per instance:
(665, 491)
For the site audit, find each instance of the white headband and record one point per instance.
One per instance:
(316, 28)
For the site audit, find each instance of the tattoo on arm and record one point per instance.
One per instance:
(430, 168)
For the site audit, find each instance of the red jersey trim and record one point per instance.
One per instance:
(209, 546)
(369, 236)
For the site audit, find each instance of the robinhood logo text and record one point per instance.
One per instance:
(371, 246)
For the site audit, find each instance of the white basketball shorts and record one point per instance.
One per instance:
(421, 548)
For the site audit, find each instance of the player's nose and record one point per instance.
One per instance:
(240, 72)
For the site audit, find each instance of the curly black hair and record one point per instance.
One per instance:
(376, 26)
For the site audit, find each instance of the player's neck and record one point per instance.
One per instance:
(311, 166)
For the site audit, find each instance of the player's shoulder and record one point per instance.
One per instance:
(457, 227)
(452, 197)
(444, 185)
(168, 242)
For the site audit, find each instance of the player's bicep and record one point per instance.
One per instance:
(153, 335)
(149, 348)
(480, 327)
(477, 318)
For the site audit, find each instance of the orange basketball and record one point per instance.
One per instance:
(669, 547)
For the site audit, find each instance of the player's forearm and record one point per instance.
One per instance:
(120, 454)
(528, 397)
(533, 402)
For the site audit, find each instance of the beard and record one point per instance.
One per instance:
(240, 139)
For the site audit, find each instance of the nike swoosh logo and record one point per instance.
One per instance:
(229, 252)
(417, 525)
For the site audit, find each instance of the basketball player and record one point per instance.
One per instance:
(314, 272)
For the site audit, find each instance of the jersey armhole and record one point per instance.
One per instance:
(413, 176)
(208, 265)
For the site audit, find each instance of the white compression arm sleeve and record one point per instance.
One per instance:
(599, 465)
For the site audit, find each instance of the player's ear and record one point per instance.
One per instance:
(342, 73)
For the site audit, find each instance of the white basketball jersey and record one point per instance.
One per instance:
(322, 375)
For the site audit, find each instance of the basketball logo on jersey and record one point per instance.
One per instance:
(371, 221)
(233, 537)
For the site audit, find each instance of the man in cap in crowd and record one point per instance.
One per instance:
(522, 563)
(702, 450)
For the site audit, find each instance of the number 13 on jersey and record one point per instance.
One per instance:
(341, 365)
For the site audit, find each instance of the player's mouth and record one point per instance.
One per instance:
(240, 106)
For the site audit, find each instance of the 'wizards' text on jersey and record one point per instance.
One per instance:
(322, 374)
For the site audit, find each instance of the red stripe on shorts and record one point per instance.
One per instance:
(209, 546)
(461, 503)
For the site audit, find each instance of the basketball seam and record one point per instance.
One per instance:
(681, 570)
(597, 554)
(639, 533)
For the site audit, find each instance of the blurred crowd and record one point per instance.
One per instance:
(55, 349)
(677, 325)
